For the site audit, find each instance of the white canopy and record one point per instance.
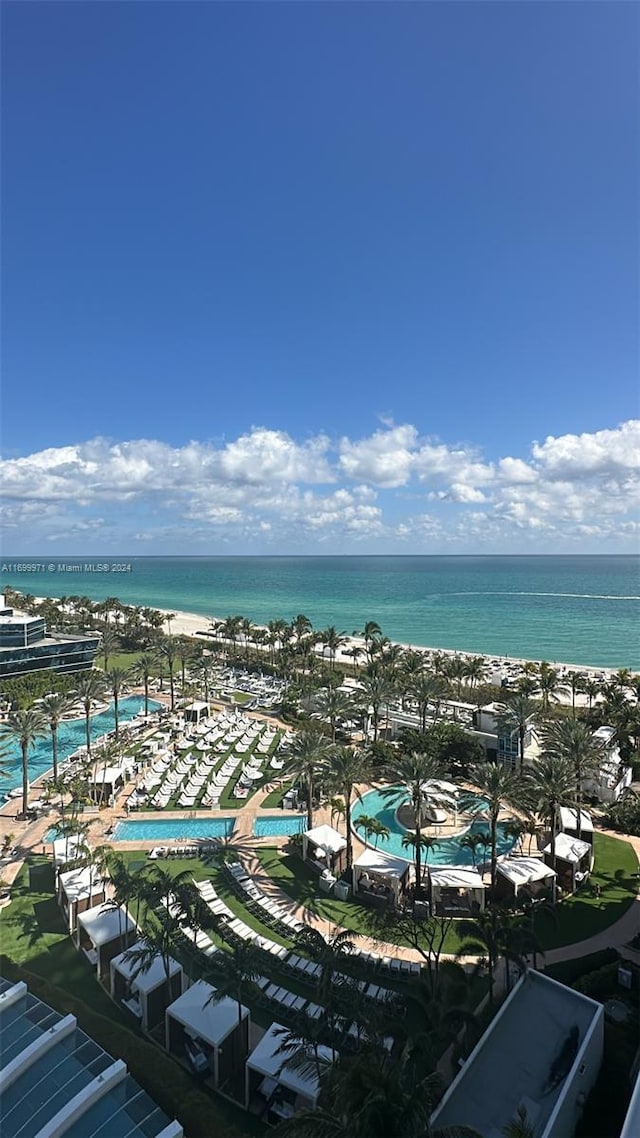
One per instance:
(104, 925)
(146, 981)
(80, 883)
(326, 837)
(522, 870)
(455, 877)
(212, 1023)
(267, 1060)
(107, 775)
(569, 849)
(67, 849)
(569, 820)
(373, 861)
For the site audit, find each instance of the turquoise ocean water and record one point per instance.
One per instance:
(576, 610)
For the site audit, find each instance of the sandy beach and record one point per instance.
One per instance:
(190, 624)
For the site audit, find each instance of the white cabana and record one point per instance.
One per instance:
(285, 1088)
(573, 861)
(324, 848)
(529, 873)
(569, 824)
(378, 878)
(455, 890)
(106, 781)
(146, 994)
(68, 849)
(209, 1025)
(102, 933)
(196, 711)
(78, 891)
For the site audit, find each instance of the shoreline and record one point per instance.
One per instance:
(189, 624)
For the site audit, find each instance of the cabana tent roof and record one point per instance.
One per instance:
(80, 883)
(569, 819)
(373, 861)
(455, 876)
(326, 837)
(266, 1059)
(107, 775)
(212, 1023)
(152, 978)
(104, 925)
(67, 849)
(569, 849)
(522, 870)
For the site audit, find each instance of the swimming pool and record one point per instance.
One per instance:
(168, 829)
(71, 735)
(449, 851)
(279, 827)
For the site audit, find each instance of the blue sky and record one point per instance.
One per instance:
(320, 277)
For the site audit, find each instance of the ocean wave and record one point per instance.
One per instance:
(576, 596)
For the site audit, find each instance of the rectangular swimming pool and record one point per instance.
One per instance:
(172, 829)
(278, 827)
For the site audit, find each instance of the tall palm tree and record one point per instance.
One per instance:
(372, 635)
(427, 843)
(367, 823)
(571, 739)
(54, 706)
(332, 704)
(306, 762)
(377, 830)
(420, 774)
(501, 788)
(109, 643)
(145, 667)
(169, 651)
(328, 952)
(488, 934)
(427, 688)
(345, 768)
(333, 640)
(377, 690)
(575, 684)
(89, 688)
(550, 784)
(25, 726)
(233, 972)
(471, 842)
(117, 679)
(516, 713)
(550, 685)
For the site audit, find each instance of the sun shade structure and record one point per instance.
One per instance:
(196, 711)
(530, 875)
(55, 1080)
(68, 849)
(573, 860)
(542, 1052)
(79, 890)
(455, 890)
(569, 824)
(210, 1026)
(146, 994)
(379, 878)
(286, 1088)
(102, 933)
(323, 847)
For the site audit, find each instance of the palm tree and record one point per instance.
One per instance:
(367, 823)
(117, 678)
(89, 688)
(25, 726)
(575, 685)
(516, 713)
(54, 707)
(169, 652)
(377, 830)
(336, 806)
(471, 842)
(331, 704)
(420, 774)
(328, 952)
(501, 788)
(550, 684)
(108, 645)
(372, 635)
(234, 971)
(146, 666)
(306, 762)
(333, 640)
(427, 688)
(550, 784)
(345, 768)
(377, 690)
(427, 843)
(571, 739)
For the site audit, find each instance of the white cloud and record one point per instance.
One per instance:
(266, 486)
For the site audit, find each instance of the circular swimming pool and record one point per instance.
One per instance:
(448, 851)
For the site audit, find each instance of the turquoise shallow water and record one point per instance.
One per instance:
(71, 735)
(448, 851)
(577, 610)
(278, 827)
(160, 829)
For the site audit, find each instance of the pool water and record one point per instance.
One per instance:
(448, 851)
(71, 735)
(278, 827)
(167, 829)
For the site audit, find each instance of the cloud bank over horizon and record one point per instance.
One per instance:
(395, 490)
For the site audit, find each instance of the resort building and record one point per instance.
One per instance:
(536, 1063)
(55, 1080)
(25, 646)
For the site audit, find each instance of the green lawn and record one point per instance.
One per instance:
(584, 915)
(37, 949)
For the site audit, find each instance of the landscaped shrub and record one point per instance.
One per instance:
(601, 984)
(568, 971)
